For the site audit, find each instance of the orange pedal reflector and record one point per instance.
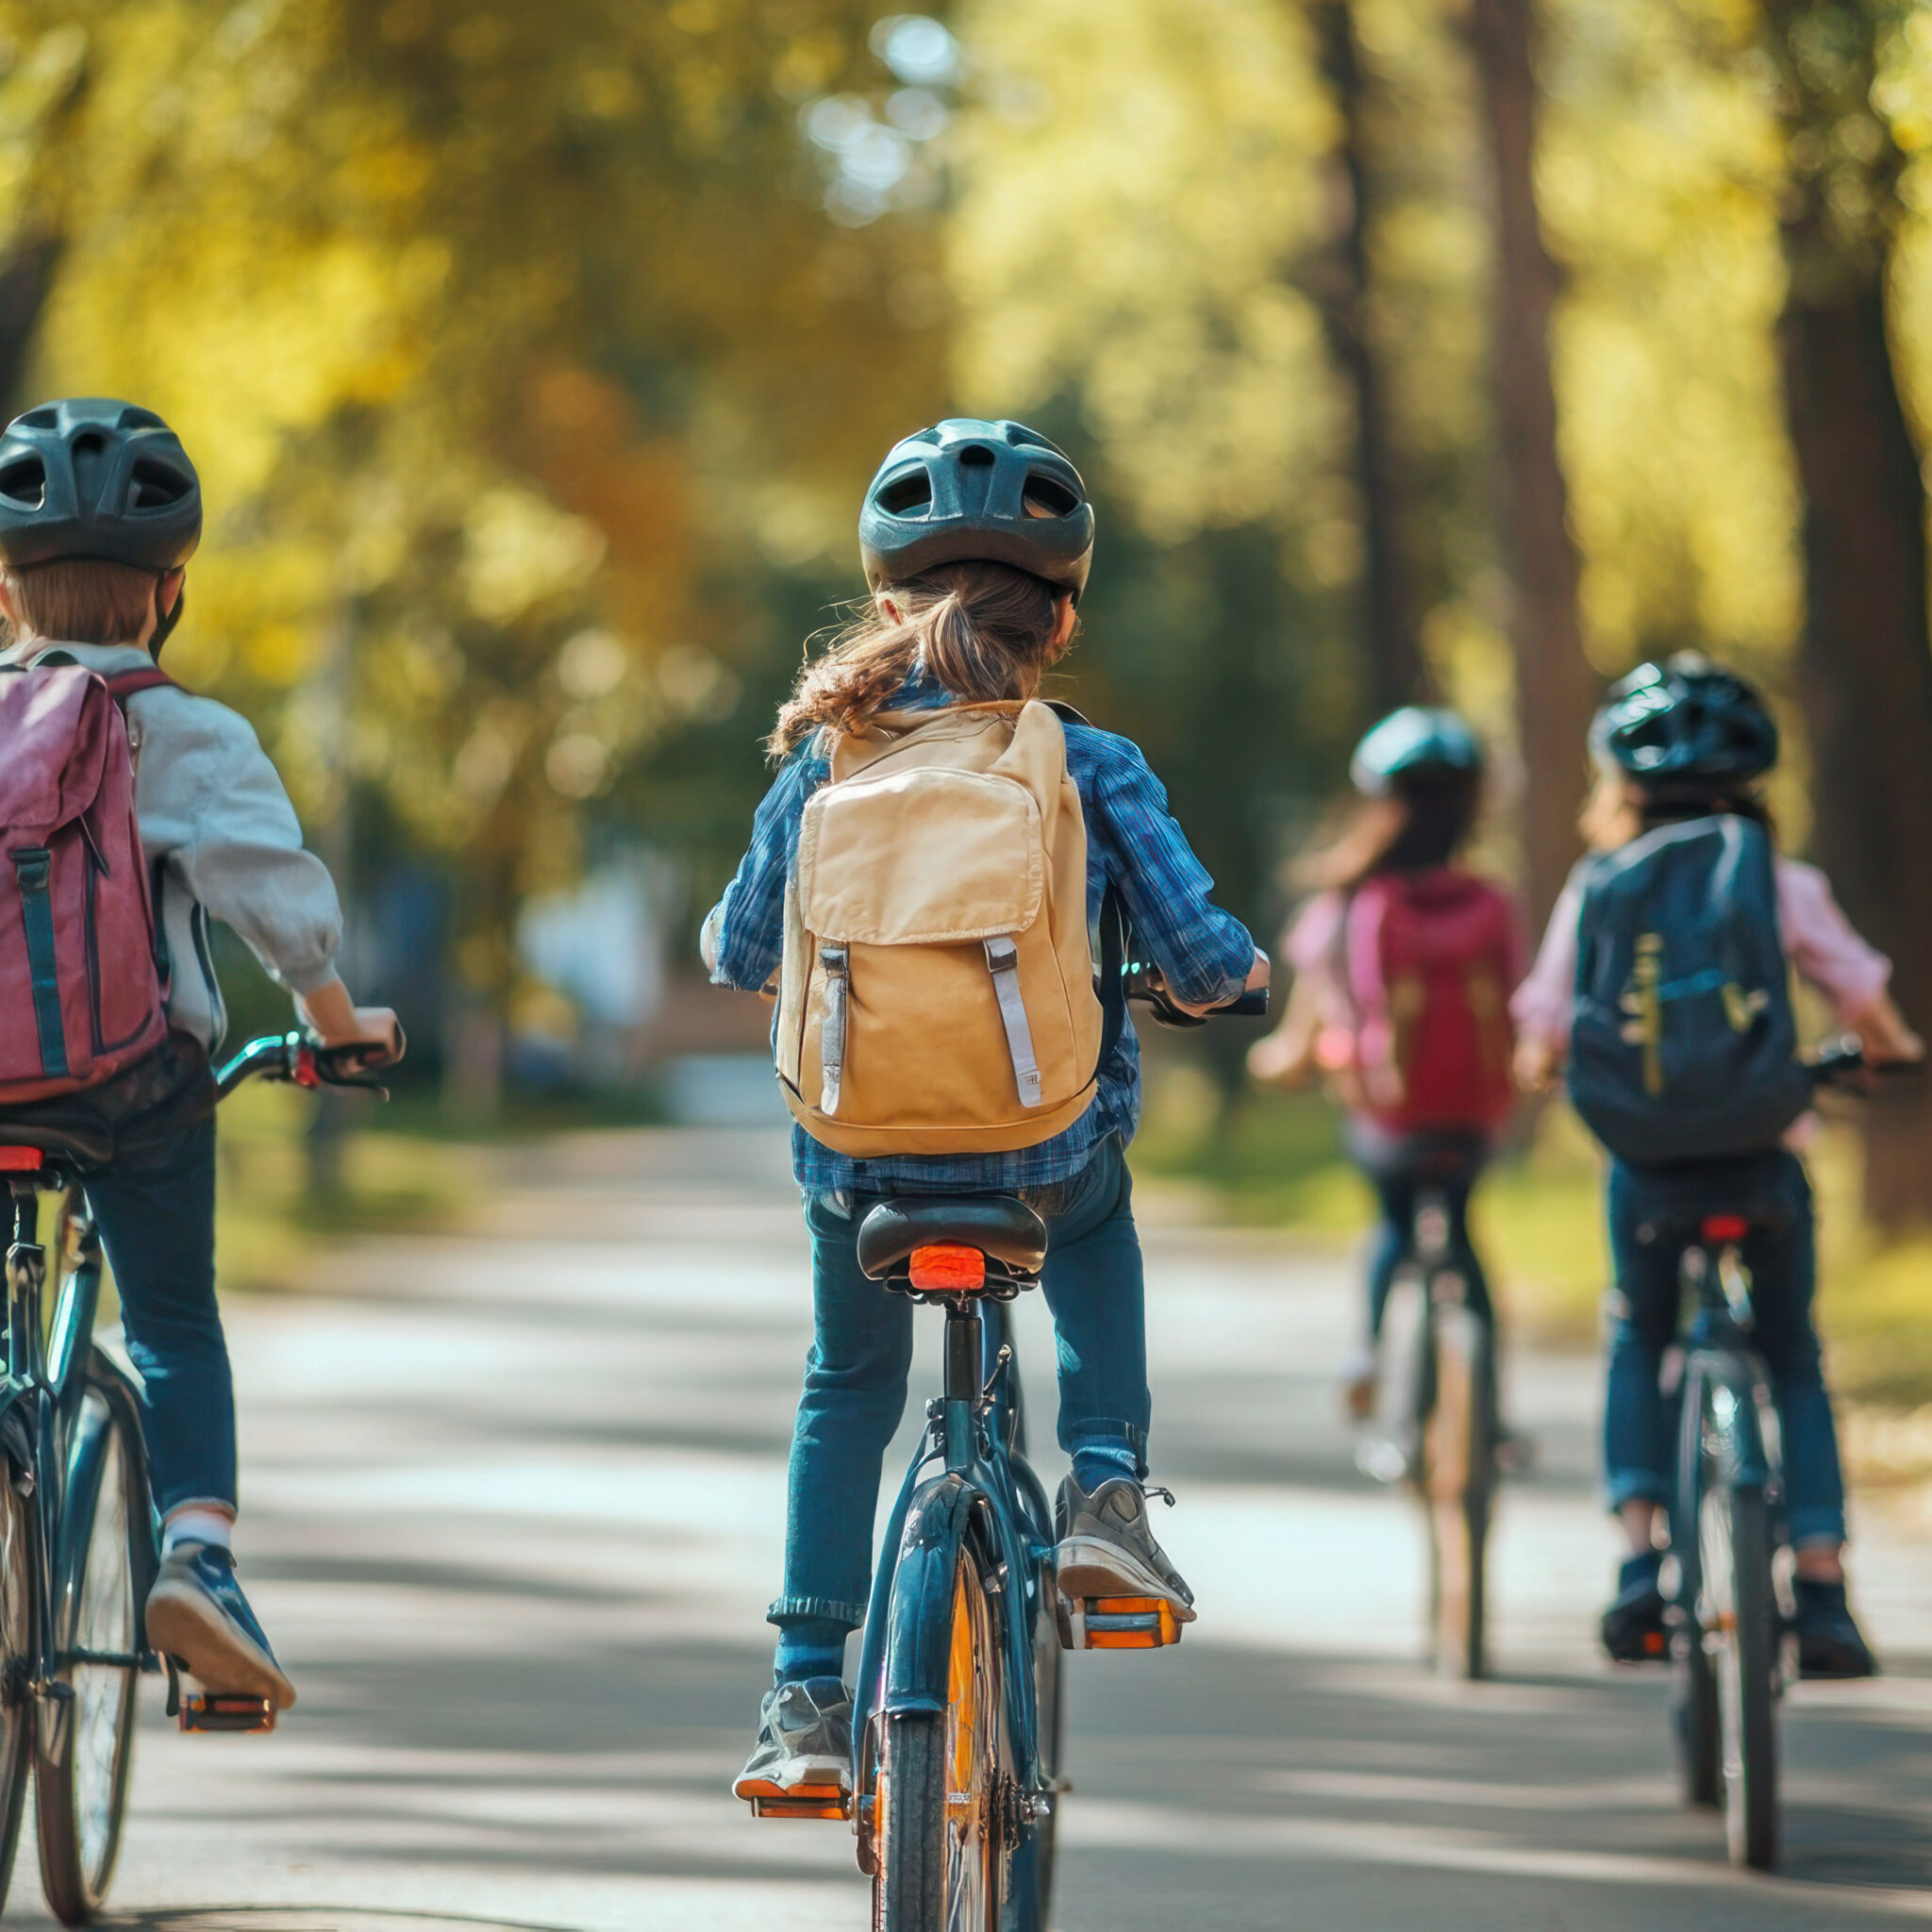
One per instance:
(207, 1711)
(1119, 1622)
(947, 1266)
(802, 1800)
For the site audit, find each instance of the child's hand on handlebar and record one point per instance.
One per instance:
(1537, 1065)
(337, 1020)
(1885, 1036)
(1257, 981)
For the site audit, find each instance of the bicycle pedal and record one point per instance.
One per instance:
(1118, 1623)
(804, 1801)
(207, 1710)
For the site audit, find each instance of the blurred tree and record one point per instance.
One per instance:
(1339, 277)
(1865, 658)
(1555, 690)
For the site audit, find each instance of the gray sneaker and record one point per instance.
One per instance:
(1107, 1549)
(805, 1741)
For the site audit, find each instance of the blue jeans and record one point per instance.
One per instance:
(1639, 1419)
(157, 1215)
(855, 1372)
(1400, 1167)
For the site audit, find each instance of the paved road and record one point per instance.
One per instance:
(514, 1503)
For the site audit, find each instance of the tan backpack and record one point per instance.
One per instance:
(936, 995)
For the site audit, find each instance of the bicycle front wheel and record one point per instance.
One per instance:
(81, 1767)
(1739, 1615)
(937, 1821)
(1458, 1483)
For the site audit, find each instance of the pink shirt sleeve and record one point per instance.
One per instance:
(1541, 1004)
(1309, 943)
(1820, 942)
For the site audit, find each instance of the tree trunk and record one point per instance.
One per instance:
(1865, 671)
(26, 279)
(1393, 660)
(1555, 690)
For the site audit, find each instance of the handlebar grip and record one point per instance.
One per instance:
(1251, 1005)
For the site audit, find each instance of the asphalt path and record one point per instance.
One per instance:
(512, 1511)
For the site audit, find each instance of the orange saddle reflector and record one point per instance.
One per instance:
(1725, 1228)
(21, 1160)
(948, 1267)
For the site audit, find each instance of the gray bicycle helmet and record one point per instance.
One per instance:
(966, 490)
(1688, 725)
(92, 477)
(1417, 743)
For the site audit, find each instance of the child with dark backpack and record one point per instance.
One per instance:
(1663, 984)
(925, 880)
(132, 813)
(1403, 962)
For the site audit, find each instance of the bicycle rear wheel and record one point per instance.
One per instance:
(1738, 1611)
(1458, 1488)
(1035, 1844)
(81, 1766)
(19, 1541)
(937, 1801)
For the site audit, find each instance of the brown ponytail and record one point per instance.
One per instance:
(983, 631)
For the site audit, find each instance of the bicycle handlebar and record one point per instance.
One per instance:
(292, 1057)
(1143, 985)
(1843, 1064)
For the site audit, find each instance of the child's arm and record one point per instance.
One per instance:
(1542, 1007)
(1823, 946)
(1287, 1056)
(744, 933)
(1205, 955)
(240, 855)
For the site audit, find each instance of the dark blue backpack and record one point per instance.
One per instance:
(1684, 1047)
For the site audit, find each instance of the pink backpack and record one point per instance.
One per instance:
(80, 989)
(1429, 962)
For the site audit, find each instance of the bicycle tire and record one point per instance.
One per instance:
(80, 1786)
(1458, 1489)
(1735, 1552)
(19, 1544)
(937, 1825)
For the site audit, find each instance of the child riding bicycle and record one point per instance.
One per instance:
(100, 510)
(1403, 961)
(1688, 1075)
(929, 866)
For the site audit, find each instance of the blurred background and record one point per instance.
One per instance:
(536, 355)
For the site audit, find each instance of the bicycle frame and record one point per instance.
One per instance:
(988, 1493)
(49, 1372)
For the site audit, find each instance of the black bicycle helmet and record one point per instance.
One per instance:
(92, 477)
(1685, 725)
(966, 490)
(1416, 743)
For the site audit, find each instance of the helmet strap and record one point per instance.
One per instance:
(165, 621)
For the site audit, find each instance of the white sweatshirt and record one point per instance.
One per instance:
(222, 840)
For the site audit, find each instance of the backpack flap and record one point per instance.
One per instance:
(1684, 1046)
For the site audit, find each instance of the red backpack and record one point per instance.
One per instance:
(81, 994)
(1429, 960)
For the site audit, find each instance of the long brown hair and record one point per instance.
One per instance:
(1412, 827)
(983, 631)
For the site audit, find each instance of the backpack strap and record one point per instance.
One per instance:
(127, 684)
(33, 868)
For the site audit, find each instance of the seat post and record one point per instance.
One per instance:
(964, 1356)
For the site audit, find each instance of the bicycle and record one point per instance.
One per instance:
(1731, 1648)
(958, 1715)
(1434, 1427)
(79, 1544)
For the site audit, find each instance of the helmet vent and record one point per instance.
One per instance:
(24, 483)
(977, 456)
(906, 493)
(1048, 494)
(48, 417)
(154, 487)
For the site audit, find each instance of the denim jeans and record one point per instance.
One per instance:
(1399, 1167)
(157, 1215)
(1639, 1419)
(855, 1372)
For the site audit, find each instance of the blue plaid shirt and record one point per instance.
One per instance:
(1133, 844)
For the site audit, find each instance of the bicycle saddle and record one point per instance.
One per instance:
(1000, 1226)
(76, 1148)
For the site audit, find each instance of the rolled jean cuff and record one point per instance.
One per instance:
(1637, 1486)
(788, 1607)
(1098, 1432)
(1820, 1523)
